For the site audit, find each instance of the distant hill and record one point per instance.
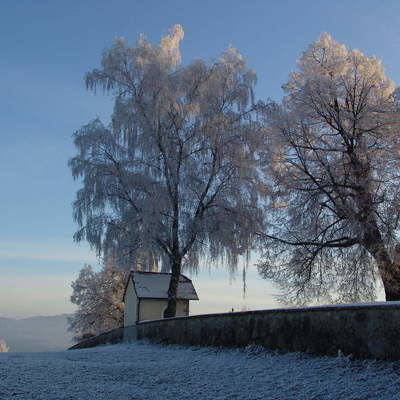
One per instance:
(36, 333)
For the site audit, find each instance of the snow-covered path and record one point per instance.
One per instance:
(142, 371)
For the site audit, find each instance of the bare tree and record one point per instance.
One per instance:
(98, 296)
(333, 148)
(175, 172)
(4, 347)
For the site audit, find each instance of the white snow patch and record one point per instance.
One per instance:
(144, 371)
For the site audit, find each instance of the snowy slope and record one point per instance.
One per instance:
(149, 372)
(36, 333)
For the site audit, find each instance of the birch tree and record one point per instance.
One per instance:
(174, 173)
(333, 147)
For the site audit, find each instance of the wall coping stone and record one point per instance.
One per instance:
(354, 306)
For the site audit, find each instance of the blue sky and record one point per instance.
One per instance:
(48, 46)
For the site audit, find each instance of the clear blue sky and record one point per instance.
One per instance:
(48, 46)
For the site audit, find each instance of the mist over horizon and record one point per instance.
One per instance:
(36, 334)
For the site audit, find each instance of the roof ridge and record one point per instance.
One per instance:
(157, 273)
(150, 272)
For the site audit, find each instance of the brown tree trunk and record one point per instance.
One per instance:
(170, 311)
(390, 274)
(392, 290)
(389, 270)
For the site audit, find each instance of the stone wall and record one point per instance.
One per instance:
(110, 337)
(363, 330)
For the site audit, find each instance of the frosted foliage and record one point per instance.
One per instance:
(3, 347)
(175, 172)
(169, 46)
(333, 158)
(328, 70)
(98, 297)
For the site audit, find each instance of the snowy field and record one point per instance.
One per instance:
(143, 371)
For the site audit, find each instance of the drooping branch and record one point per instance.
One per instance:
(334, 243)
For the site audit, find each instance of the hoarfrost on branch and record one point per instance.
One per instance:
(4, 347)
(333, 150)
(98, 296)
(175, 173)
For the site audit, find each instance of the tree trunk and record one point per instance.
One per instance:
(391, 285)
(170, 311)
(390, 274)
(389, 270)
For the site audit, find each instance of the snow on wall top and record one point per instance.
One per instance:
(154, 285)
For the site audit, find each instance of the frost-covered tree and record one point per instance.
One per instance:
(98, 297)
(333, 150)
(4, 347)
(174, 173)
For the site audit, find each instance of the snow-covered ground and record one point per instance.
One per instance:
(142, 371)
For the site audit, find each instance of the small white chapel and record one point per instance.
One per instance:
(146, 296)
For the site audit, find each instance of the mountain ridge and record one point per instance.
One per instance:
(37, 333)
